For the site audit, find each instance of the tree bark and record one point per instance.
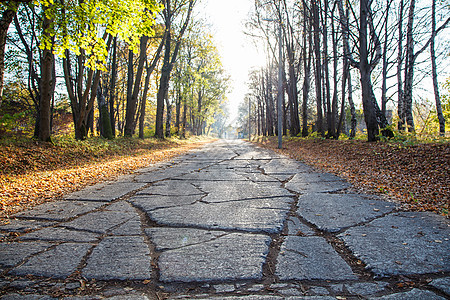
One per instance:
(130, 125)
(318, 68)
(130, 107)
(307, 70)
(364, 68)
(105, 122)
(5, 21)
(169, 59)
(46, 82)
(409, 69)
(437, 99)
(332, 130)
(112, 93)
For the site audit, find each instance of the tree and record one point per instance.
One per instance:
(411, 57)
(8, 10)
(170, 12)
(84, 29)
(46, 77)
(434, 71)
(317, 65)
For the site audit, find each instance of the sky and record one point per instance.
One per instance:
(239, 55)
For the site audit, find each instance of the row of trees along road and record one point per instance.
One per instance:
(132, 56)
(332, 49)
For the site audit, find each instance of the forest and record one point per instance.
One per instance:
(116, 68)
(376, 68)
(151, 68)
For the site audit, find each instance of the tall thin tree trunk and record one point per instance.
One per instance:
(334, 112)
(353, 121)
(129, 115)
(5, 21)
(46, 82)
(112, 92)
(132, 102)
(437, 99)
(168, 117)
(409, 69)
(318, 67)
(400, 94)
(385, 65)
(364, 68)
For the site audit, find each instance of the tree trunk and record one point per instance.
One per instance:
(437, 99)
(353, 121)
(318, 68)
(112, 92)
(177, 111)
(168, 117)
(169, 60)
(307, 70)
(5, 21)
(333, 115)
(130, 125)
(409, 69)
(130, 106)
(46, 82)
(105, 122)
(183, 126)
(400, 94)
(326, 71)
(269, 103)
(364, 68)
(385, 65)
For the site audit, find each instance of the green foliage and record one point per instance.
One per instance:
(82, 27)
(16, 115)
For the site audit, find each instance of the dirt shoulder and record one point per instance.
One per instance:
(417, 176)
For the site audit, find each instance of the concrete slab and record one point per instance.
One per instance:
(14, 296)
(58, 262)
(413, 294)
(334, 212)
(60, 210)
(402, 243)
(174, 238)
(442, 284)
(235, 256)
(285, 166)
(13, 253)
(153, 202)
(171, 188)
(261, 215)
(105, 192)
(310, 258)
(317, 187)
(59, 234)
(222, 192)
(213, 175)
(106, 219)
(121, 258)
(16, 225)
(297, 228)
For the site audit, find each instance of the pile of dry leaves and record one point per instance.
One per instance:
(418, 176)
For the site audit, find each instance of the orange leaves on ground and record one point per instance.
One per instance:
(29, 187)
(417, 176)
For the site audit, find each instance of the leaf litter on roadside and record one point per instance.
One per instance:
(418, 176)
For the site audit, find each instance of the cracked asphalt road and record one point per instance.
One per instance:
(226, 221)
